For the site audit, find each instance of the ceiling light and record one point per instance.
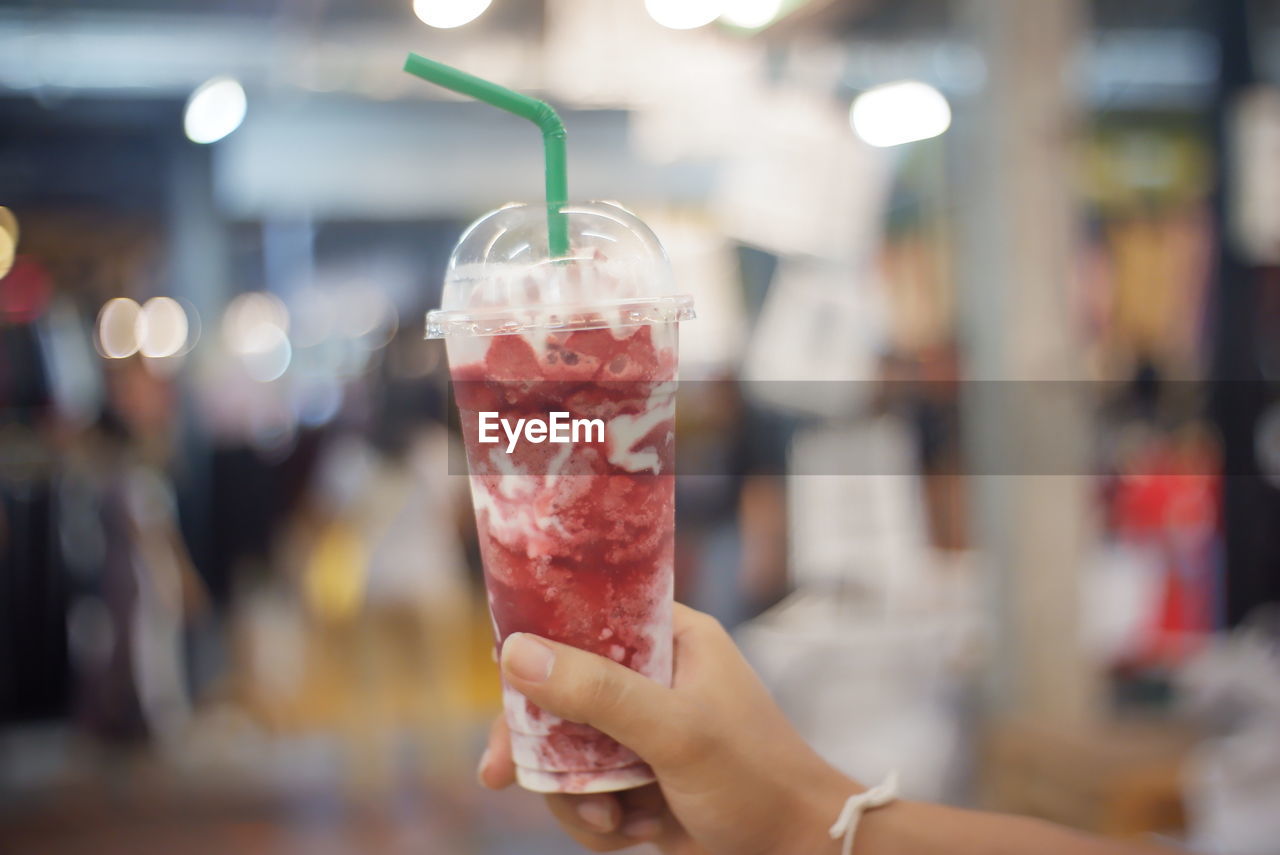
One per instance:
(684, 14)
(751, 14)
(447, 14)
(898, 113)
(214, 110)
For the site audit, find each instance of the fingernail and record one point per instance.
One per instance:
(644, 828)
(596, 814)
(527, 658)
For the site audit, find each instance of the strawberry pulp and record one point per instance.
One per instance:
(577, 539)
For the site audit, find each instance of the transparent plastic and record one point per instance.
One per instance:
(577, 535)
(502, 279)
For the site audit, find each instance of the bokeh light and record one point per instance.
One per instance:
(684, 14)
(248, 312)
(266, 353)
(255, 328)
(898, 113)
(751, 14)
(161, 328)
(447, 14)
(215, 109)
(117, 328)
(8, 240)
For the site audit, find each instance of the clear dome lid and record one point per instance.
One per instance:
(502, 279)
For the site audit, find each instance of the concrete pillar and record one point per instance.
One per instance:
(1027, 424)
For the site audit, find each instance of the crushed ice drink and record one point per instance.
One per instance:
(576, 534)
(577, 539)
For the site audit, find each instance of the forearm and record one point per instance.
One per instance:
(915, 828)
(919, 828)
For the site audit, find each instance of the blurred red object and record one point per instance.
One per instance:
(25, 292)
(1167, 500)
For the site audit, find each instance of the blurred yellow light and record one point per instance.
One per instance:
(447, 14)
(118, 328)
(7, 253)
(898, 113)
(214, 110)
(8, 240)
(334, 578)
(751, 14)
(161, 327)
(684, 14)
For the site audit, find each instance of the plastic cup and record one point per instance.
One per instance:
(577, 536)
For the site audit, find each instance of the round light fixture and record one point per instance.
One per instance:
(751, 14)
(898, 113)
(684, 14)
(214, 110)
(447, 14)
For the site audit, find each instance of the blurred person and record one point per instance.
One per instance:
(734, 777)
(1161, 497)
(924, 387)
(731, 555)
(34, 678)
(129, 620)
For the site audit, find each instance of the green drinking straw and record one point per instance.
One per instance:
(538, 112)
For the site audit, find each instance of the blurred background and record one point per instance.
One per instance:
(979, 425)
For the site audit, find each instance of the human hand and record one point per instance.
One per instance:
(734, 778)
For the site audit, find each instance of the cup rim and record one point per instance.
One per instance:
(641, 311)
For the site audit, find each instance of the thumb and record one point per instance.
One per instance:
(583, 687)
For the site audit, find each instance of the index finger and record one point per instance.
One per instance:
(497, 769)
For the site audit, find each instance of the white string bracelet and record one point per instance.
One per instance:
(880, 795)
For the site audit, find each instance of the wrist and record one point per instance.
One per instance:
(880, 828)
(818, 799)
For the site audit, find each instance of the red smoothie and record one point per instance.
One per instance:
(577, 538)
